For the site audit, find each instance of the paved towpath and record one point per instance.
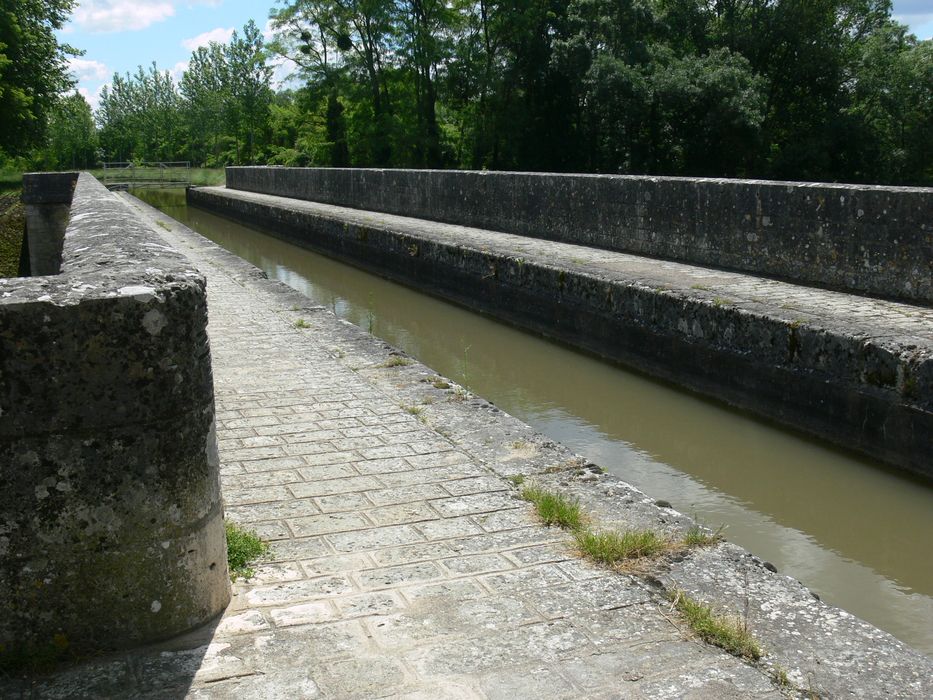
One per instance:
(403, 565)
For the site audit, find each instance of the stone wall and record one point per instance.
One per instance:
(858, 238)
(871, 393)
(111, 530)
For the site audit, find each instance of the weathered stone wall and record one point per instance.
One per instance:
(871, 394)
(111, 529)
(47, 199)
(860, 238)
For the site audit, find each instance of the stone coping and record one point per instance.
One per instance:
(108, 257)
(864, 239)
(854, 370)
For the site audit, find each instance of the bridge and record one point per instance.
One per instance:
(126, 175)
(404, 563)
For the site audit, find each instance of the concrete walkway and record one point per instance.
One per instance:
(403, 565)
(403, 568)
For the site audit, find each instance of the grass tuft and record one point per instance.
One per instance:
(301, 323)
(613, 548)
(243, 548)
(699, 537)
(554, 508)
(725, 632)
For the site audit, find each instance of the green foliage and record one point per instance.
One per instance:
(554, 508)
(722, 631)
(698, 536)
(243, 548)
(72, 138)
(787, 89)
(33, 70)
(614, 548)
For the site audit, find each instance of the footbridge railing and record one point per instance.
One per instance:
(126, 175)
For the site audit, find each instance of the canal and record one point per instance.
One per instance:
(851, 530)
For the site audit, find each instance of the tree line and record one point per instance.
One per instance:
(786, 89)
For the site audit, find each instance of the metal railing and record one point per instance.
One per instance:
(126, 175)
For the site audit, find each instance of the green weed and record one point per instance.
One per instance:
(725, 632)
(698, 536)
(243, 548)
(554, 508)
(614, 548)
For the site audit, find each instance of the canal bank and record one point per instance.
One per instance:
(835, 522)
(404, 566)
(852, 370)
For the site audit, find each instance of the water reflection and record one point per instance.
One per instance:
(851, 530)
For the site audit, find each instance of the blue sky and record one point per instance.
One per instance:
(118, 35)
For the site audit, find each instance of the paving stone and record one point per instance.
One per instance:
(412, 553)
(332, 486)
(406, 494)
(292, 549)
(337, 564)
(449, 527)
(393, 576)
(365, 677)
(402, 513)
(304, 613)
(479, 484)
(368, 604)
(375, 538)
(476, 564)
(476, 503)
(296, 591)
(343, 502)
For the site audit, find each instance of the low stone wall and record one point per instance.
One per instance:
(858, 238)
(870, 395)
(111, 530)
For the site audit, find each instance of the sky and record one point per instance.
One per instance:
(119, 35)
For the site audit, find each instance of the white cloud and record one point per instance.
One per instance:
(84, 69)
(284, 74)
(267, 31)
(220, 35)
(178, 70)
(101, 16)
(93, 98)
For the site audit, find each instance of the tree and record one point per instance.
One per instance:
(246, 86)
(33, 70)
(203, 89)
(72, 138)
(139, 117)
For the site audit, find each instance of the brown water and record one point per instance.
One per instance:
(851, 530)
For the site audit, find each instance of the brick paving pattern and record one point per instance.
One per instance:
(402, 567)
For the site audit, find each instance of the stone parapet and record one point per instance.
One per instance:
(857, 372)
(856, 238)
(111, 530)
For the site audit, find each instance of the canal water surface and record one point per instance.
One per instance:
(854, 532)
